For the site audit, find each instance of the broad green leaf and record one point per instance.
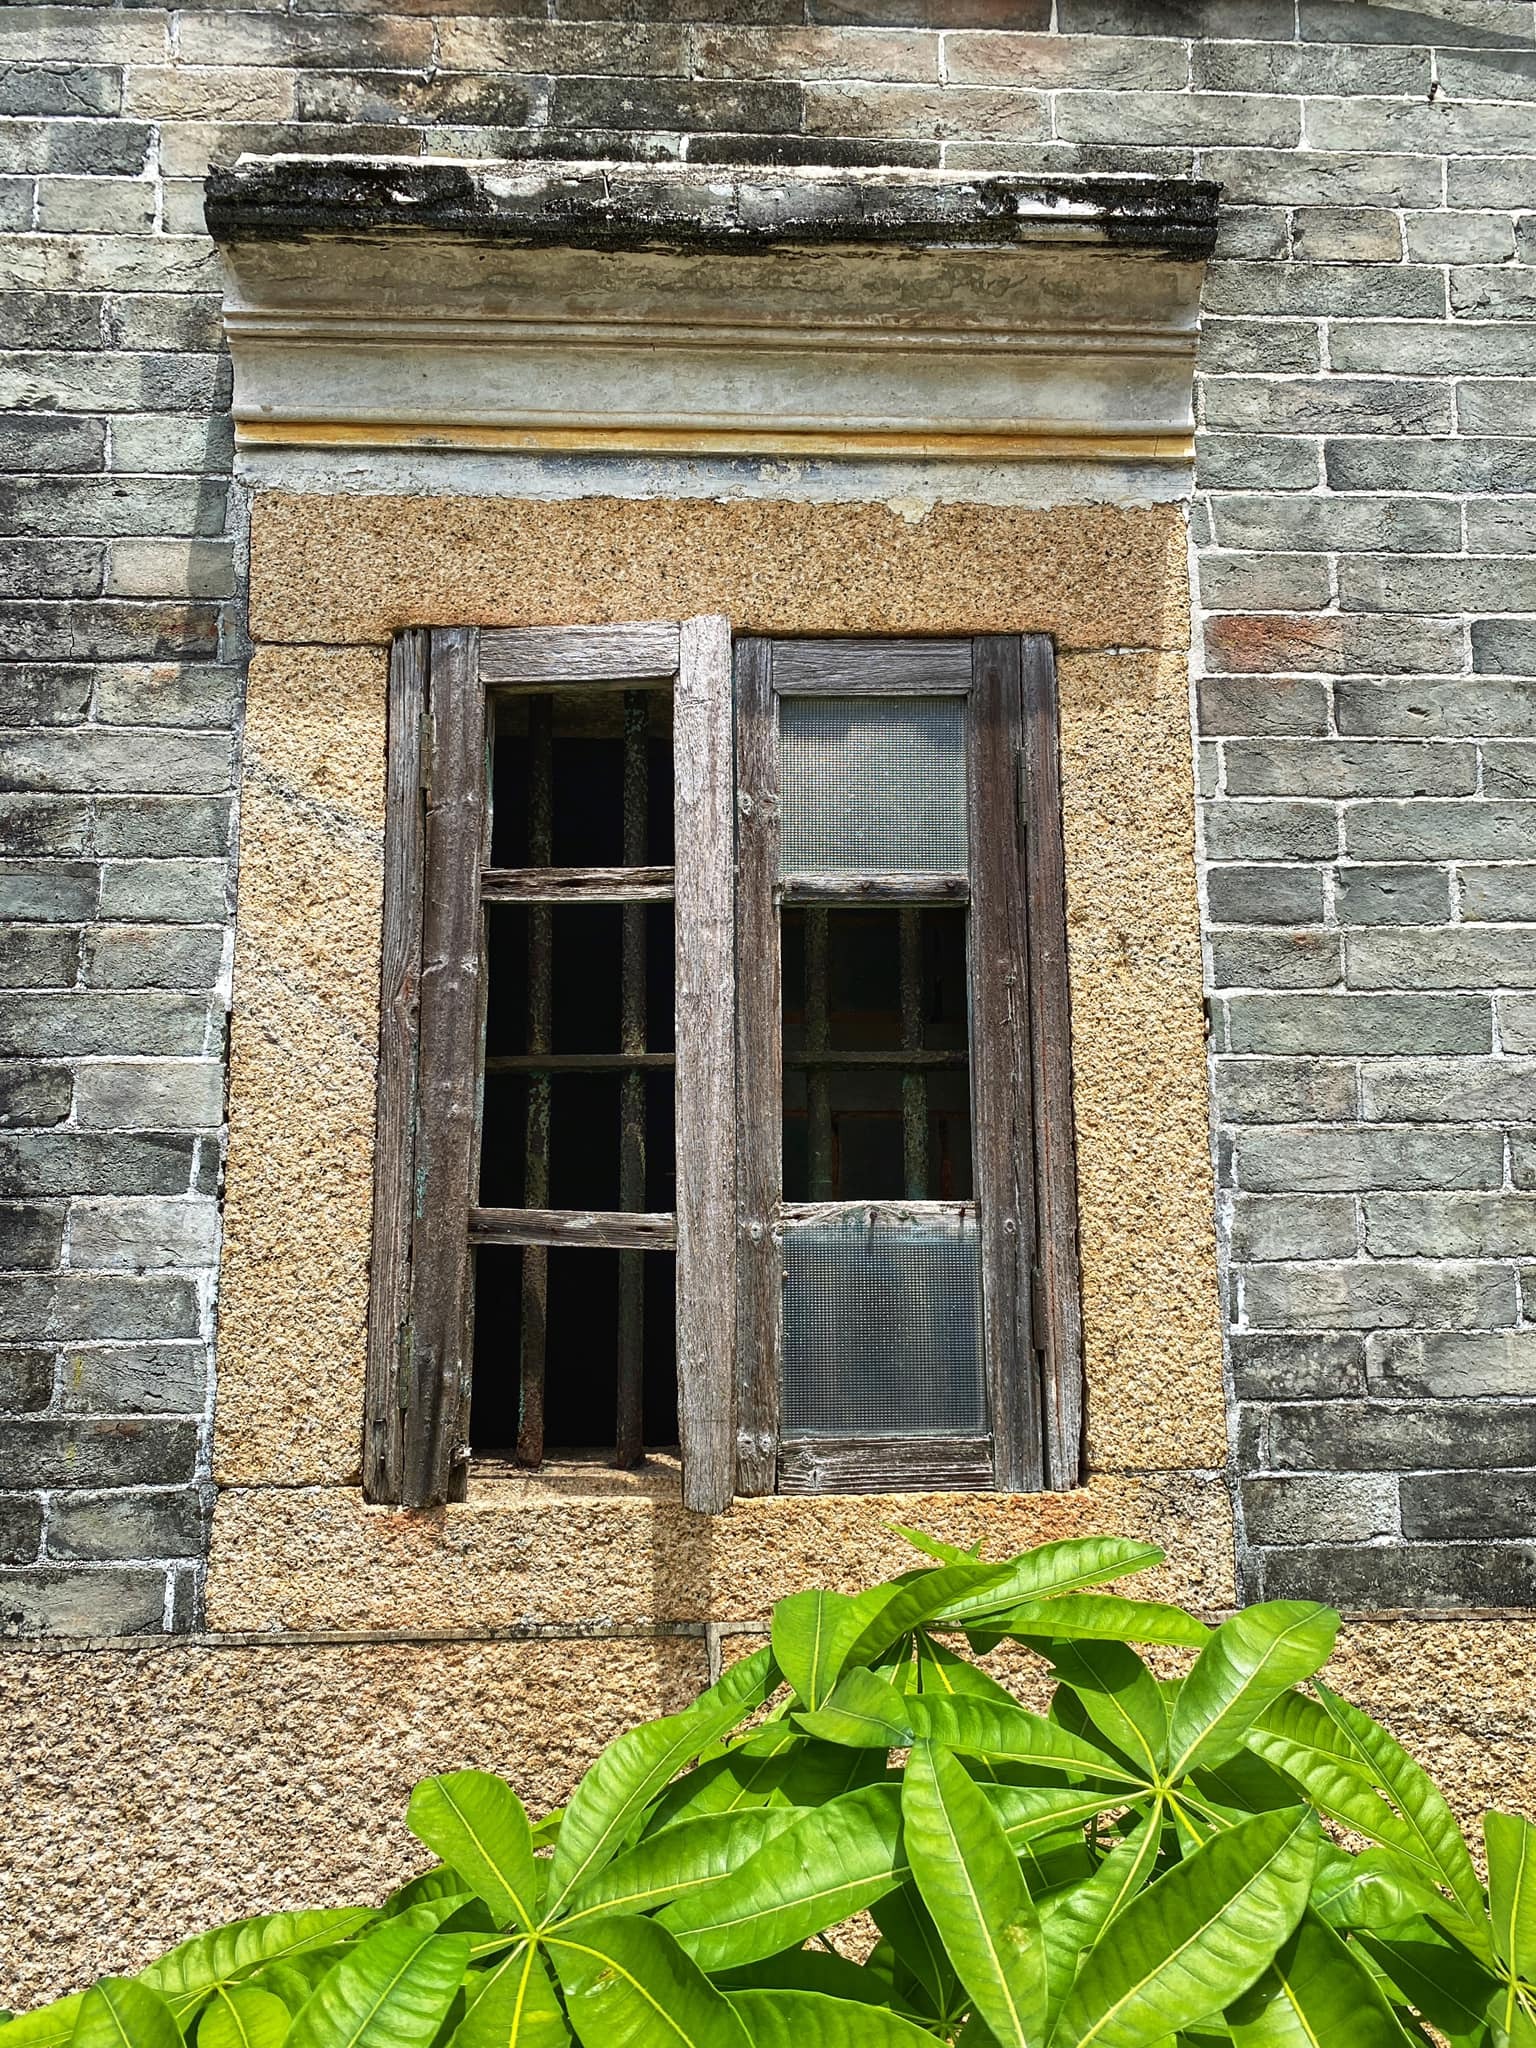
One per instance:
(1438, 1978)
(291, 1982)
(1196, 1939)
(908, 1925)
(679, 1860)
(1119, 1695)
(982, 1728)
(941, 1670)
(808, 1969)
(436, 1883)
(1052, 1568)
(935, 1546)
(970, 1882)
(814, 1634)
(1073, 1922)
(726, 1784)
(120, 2012)
(1027, 1813)
(1511, 1845)
(392, 1991)
(475, 1822)
(861, 1712)
(822, 1771)
(1342, 1790)
(224, 1955)
(1251, 1659)
(243, 2018)
(1315, 1994)
(806, 2019)
(46, 2025)
(924, 1595)
(516, 2007)
(629, 1985)
(830, 1863)
(1375, 1889)
(1102, 1616)
(633, 1769)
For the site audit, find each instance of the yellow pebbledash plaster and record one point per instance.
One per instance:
(294, 1545)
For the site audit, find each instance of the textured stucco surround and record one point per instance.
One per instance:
(294, 1545)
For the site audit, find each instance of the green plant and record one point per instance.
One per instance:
(1157, 1861)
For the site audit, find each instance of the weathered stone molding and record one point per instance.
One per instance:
(604, 309)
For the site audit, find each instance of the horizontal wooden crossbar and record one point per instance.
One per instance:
(600, 1229)
(576, 885)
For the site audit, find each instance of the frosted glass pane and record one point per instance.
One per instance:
(882, 1329)
(873, 784)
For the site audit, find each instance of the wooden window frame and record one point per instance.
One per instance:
(727, 1227)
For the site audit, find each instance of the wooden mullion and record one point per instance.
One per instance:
(534, 1308)
(706, 1064)
(541, 885)
(1059, 1339)
(1002, 1060)
(449, 1088)
(387, 1392)
(632, 1030)
(759, 1079)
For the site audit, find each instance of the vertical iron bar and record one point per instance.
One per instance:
(914, 1085)
(541, 833)
(818, 1013)
(629, 1444)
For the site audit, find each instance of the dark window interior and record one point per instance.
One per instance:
(577, 1106)
(876, 1060)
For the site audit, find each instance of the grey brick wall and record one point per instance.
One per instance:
(1366, 532)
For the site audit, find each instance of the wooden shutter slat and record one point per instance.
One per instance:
(600, 1229)
(579, 654)
(706, 1065)
(577, 885)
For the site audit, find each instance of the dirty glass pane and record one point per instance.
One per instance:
(873, 784)
(882, 1328)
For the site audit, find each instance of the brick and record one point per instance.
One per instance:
(192, 322)
(1497, 292)
(90, 1453)
(58, 33)
(1345, 1025)
(1254, 232)
(78, 1162)
(934, 113)
(1281, 1091)
(1444, 1506)
(1244, 462)
(149, 956)
(1500, 895)
(21, 1528)
(50, 320)
(98, 760)
(1295, 1368)
(96, 206)
(1275, 959)
(42, 441)
(1522, 1159)
(1431, 348)
(149, 1095)
(70, 90)
(50, 891)
(1375, 1436)
(147, 381)
(1263, 582)
(85, 263)
(1417, 584)
(1283, 830)
(1270, 1227)
(1392, 895)
(154, 826)
(1446, 237)
(1285, 68)
(156, 568)
(1251, 644)
(1517, 1023)
(1269, 347)
(1509, 767)
(1452, 1226)
(99, 148)
(167, 693)
(1451, 1364)
(1372, 1577)
(1446, 127)
(58, 568)
(1014, 14)
(142, 1021)
(1309, 177)
(1460, 956)
(1280, 704)
(113, 505)
(34, 1097)
(1489, 24)
(176, 891)
(199, 93)
(152, 442)
(39, 956)
(1329, 1508)
(1431, 830)
(1384, 525)
(1501, 526)
(1161, 117)
(1295, 290)
(395, 41)
(44, 693)
(1467, 464)
(63, 632)
(1345, 767)
(43, 825)
(1504, 646)
(1346, 234)
(31, 1236)
(1460, 707)
(26, 1378)
(1144, 61)
(1400, 1294)
(1265, 895)
(71, 1602)
(137, 1235)
(109, 1527)
(1488, 181)
(1236, 19)
(1333, 1159)
(134, 1379)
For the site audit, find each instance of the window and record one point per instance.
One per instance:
(724, 1085)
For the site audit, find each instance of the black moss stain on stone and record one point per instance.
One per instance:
(648, 208)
